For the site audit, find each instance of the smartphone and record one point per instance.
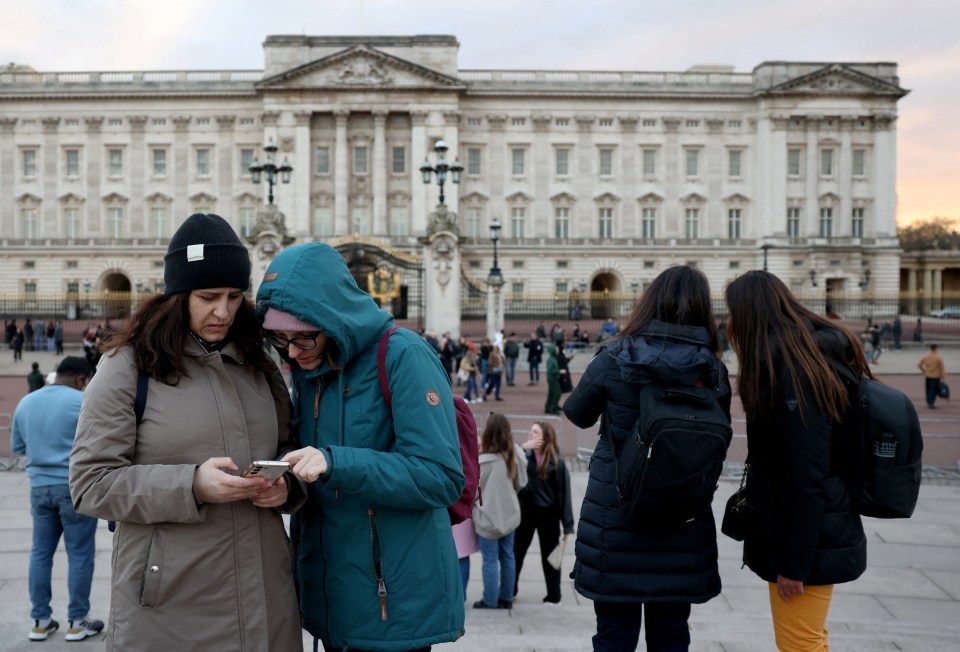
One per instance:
(269, 469)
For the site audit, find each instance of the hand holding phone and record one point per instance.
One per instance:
(270, 469)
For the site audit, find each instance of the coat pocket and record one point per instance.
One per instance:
(153, 567)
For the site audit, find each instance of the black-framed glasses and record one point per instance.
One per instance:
(302, 342)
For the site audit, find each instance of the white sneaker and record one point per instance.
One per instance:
(41, 630)
(81, 629)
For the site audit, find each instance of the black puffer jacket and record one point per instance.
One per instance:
(803, 521)
(617, 562)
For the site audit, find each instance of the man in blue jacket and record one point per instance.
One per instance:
(376, 563)
(43, 428)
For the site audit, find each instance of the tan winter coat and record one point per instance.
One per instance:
(187, 577)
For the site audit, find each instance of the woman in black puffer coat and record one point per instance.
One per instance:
(804, 531)
(628, 571)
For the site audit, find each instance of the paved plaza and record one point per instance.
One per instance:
(908, 600)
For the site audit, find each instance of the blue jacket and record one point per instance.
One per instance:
(44, 426)
(377, 566)
(617, 562)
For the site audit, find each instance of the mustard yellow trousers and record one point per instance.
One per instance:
(800, 625)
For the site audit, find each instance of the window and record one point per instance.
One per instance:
(28, 222)
(474, 122)
(115, 222)
(606, 223)
(203, 162)
(648, 223)
(71, 122)
(793, 162)
(399, 160)
(734, 124)
(562, 222)
(793, 222)
(692, 223)
(246, 121)
(323, 160)
(649, 162)
(605, 122)
(398, 221)
(856, 226)
(322, 221)
(560, 287)
(516, 287)
(518, 159)
(649, 122)
(734, 223)
(361, 220)
(562, 122)
(158, 220)
(563, 264)
(248, 220)
(562, 162)
(115, 162)
(693, 162)
(859, 162)
(649, 264)
(517, 264)
(360, 159)
(734, 264)
(518, 222)
(734, 162)
(71, 162)
(115, 122)
(826, 222)
(28, 160)
(518, 122)
(159, 122)
(246, 160)
(73, 287)
(826, 162)
(203, 121)
(159, 162)
(474, 218)
(693, 123)
(606, 162)
(473, 161)
(71, 222)
(29, 287)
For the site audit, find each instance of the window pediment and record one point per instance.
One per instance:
(607, 198)
(693, 198)
(202, 198)
(159, 198)
(71, 198)
(650, 198)
(519, 198)
(27, 198)
(246, 198)
(115, 198)
(563, 198)
(736, 198)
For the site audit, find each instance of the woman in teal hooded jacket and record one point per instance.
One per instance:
(376, 564)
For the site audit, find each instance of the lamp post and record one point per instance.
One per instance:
(865, 280)
(495, 274)
(766, 248)
(270, 170)
(86, 296)
(495, 285)
(441, 169)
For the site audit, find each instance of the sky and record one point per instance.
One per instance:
(921, 36)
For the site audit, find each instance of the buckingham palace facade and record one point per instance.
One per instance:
(601, 179)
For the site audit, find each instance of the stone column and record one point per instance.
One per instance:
(812, 178)
(94, 159)
(583, 224)
(771, 167)
(497, 170)
(47, 219)
(912, 289)
(495, 307)
(137, 218)
(8, 165)
(540, 169)
(378, 221)
(441, 263)
(302, 162)
(451, 134)
(884, 181)
(673, 217)
(179, 174)
(843, 224)
(341, 175)
(629, 175)
(418, 190)
(224, 169)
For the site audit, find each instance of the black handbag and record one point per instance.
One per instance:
(944, 391)
(734, 523)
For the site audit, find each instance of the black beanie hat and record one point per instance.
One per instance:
(205, 252)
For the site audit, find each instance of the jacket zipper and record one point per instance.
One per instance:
(376, 558)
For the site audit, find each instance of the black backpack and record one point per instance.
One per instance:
(667, 471)
(887, 445)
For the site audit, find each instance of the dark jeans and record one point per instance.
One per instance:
(933, 390)
(493, 385)
(546, 524)
(618, 626)
(535, 372)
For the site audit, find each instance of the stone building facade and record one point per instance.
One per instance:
(601, 179)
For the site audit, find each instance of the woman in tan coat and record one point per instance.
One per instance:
(200, 557)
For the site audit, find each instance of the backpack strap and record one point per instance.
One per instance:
(140, 400)
(382, 367)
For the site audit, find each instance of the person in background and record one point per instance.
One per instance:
(375, 556)
(201, 560)
(934, 371)
(43, 428)
(804, 533)
(483, 360)
(545, 504)
(58, 338)
(494, 373)
(534, 348)
(28, 335)
(552, 405)
(918, 331)
(511, 352)
(497, 517)
(646, 575)
(17, 344)
(35, 379)
(897, 331)
(469, 369)
(51, 330)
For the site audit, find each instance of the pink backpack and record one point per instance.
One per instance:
(466, 431)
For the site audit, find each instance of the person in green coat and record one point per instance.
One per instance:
(376, 563)
(35, 379)
(553, 381)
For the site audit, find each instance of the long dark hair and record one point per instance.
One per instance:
(767, 322)
(549, 450)
(679, 295)
(498, 438)
(158, 330)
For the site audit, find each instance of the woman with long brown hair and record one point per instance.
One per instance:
(804, 531)
(544, 504)
(651, 570)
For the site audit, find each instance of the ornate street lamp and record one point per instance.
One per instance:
(441, 168)
(269, 169)
(766, 247)
(865, 281)
(495, 275)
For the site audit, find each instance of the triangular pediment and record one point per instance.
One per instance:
(474, 198)
(837, 79)
(203, 198)
(360, 67)
(246, 198)
(115, 198)
(606, 198)
(519, 197)
(693, 198)
(158, 198)
(736, 198)
(563, 198)
(71, 198)
(650, 198)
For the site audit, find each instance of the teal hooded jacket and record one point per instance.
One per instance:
(376, 564)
